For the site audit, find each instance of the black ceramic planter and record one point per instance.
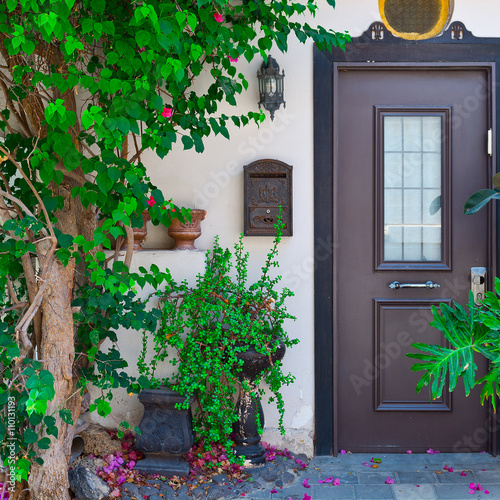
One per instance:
(166, 433)
(248, 407)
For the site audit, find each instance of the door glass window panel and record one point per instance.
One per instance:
(412, 187)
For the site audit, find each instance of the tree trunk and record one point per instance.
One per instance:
(50, 480)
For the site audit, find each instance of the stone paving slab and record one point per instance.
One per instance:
(373, 491)
(454, 492)
(407, 470)
(416, 477)
(413, 492)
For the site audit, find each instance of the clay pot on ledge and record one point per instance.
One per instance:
(140, 233)
(185, 234)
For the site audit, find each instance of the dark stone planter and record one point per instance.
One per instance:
(166, 433)
(248, 407)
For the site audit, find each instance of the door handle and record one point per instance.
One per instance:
(478, 283)
(396, 285)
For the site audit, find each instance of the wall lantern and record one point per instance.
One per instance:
(271, 86)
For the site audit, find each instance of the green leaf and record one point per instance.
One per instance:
(44, 443)
(66, 416)
(98, 6)
(479, 199)
(30, 436)
(142, 38)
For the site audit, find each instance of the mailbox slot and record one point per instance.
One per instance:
(268, 184)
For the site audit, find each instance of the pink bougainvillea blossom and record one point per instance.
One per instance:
(274, 490)
(389, 480)
(151, 201)
(463, 473)
(142, 49)
(409, 452)
(327, 480)
(167, 112)
(336, 482)
(233, 59)
(476, 487)
(449, 469)
(366, 464)
(342, 452)
(430, 451)
(218, 17)
(305, 483)
(306, 497)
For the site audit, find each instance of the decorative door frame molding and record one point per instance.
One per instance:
(455, 48)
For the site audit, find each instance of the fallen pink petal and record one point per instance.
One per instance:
(409, 452)
(274, 490)
(463, 473)
(306, 497)
(389, 480)
(486, 492)
(336, 482)
(305, 483)
(342, 452)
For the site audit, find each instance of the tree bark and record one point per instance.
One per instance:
(50, 480)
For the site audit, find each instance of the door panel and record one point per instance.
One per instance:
(411, 149)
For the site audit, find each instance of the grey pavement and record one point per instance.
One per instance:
(415, 476)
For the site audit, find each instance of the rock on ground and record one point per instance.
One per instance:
(86, 485)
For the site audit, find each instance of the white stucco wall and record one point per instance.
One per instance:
(214, 181)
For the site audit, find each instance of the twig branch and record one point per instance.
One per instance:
(19, 305)
(130, 246)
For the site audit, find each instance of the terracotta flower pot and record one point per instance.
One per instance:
(185, 234)
(140, 233)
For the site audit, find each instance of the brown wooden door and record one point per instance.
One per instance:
(411, 147)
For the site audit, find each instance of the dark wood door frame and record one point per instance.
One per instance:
(457, 47)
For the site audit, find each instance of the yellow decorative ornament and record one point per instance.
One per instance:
(416, 19)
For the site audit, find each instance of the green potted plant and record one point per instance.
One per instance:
(225, 337)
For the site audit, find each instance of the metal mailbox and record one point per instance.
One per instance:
(268, 184)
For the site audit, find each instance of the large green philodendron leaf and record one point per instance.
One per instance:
(464, 333)
(479, 199)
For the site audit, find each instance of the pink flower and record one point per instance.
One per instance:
(463, 473)
(115, 493)
(366, 464)
(142, 49)
(274, 490)
(389, 480)
(342, 452)
(486, 492)
(306, 497)
(449, 469)
(432, 452)
(233, 60)
(167, 112)
(336, 482)
(327, 480)
(218, 17)
(409, 452)
(151, 201)
(305, 483)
